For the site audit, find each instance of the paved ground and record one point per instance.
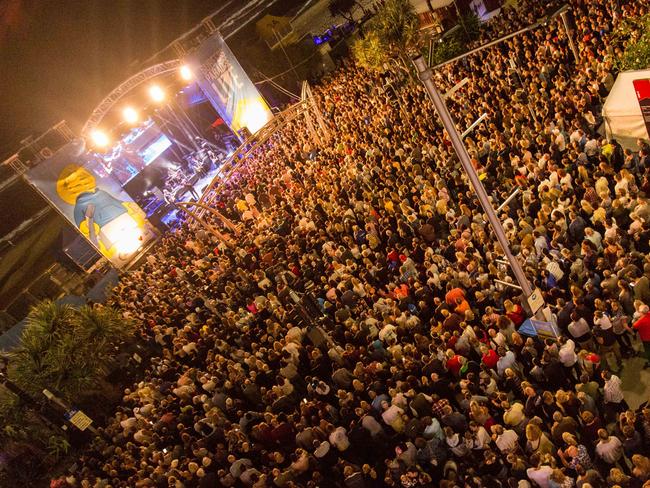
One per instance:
(635, 379)
(636, 382)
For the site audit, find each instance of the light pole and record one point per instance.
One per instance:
(426, 76)
(279, 39)
(515, 68)
(572, 44)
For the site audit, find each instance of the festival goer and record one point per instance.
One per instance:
(354, 331)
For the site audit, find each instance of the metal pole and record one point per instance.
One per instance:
(473, 126)
(181, 125)
(66, 408)
(426, 76)
(293, 68)
(515, 68)
(211, 229)
(504, 38)
(505, 283)
(456, 87)
(34, 405)
(572, 45)
(509, 199)
(460, 17)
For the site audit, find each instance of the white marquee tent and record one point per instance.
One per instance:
(622, 114)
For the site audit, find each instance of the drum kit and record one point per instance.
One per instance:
(197, 165)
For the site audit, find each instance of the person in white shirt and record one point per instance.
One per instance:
(613, 395)
(592, 148)
(577, 136)
(540, 474)
(505, 440)
(338, 438)
(595, 237)
(543, 161)
(433, 429)
(481, 437)
(559, 140)
(541, 244)
(392, 415)
(567, 355)
(507, 360)
(371, 425)
(609, 448)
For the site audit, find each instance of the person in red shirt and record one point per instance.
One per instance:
(490, 357)
(454, 363)
(643, 328)
(515, 312)
(453, 294)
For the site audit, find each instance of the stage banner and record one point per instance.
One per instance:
(94, 203)
(229, 89)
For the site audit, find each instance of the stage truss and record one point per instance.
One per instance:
(124, 89)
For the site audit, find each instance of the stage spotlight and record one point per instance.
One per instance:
(255, 115)
(99, 138)
(186, 72)
(124, 234)
(156, 93)
(130, 115)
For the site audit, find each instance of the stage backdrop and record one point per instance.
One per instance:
(229, 89)
(94, 203)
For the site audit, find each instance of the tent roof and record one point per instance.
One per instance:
(622, 101)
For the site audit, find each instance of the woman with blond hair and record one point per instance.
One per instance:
(641, 469)
(559, 480)
(619, 478)
(480, 414)
(537, 442)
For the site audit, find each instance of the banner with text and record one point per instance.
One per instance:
(229, 89)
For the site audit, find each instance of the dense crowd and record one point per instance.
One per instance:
(354, 331)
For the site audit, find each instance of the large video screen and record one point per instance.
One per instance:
(140, 147)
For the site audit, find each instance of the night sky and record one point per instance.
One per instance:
(59, 58)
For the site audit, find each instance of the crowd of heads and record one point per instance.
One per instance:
(354, 328)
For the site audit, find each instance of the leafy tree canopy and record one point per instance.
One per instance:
(392, 32)
(66, 349)
(633, 37)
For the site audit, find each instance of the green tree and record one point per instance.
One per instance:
(445, 50)
(392, 33)
(370, 51)
(472, 26)
(67, 349)
(633, 37)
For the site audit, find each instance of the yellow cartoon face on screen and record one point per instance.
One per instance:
(73, 181)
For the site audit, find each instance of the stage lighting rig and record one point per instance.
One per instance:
(186, 73)
(99, 138)
(156, 93)
(130, 115)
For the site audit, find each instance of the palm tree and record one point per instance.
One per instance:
(392, 33)
(399, 26)
(370, 50)
(66, 349)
